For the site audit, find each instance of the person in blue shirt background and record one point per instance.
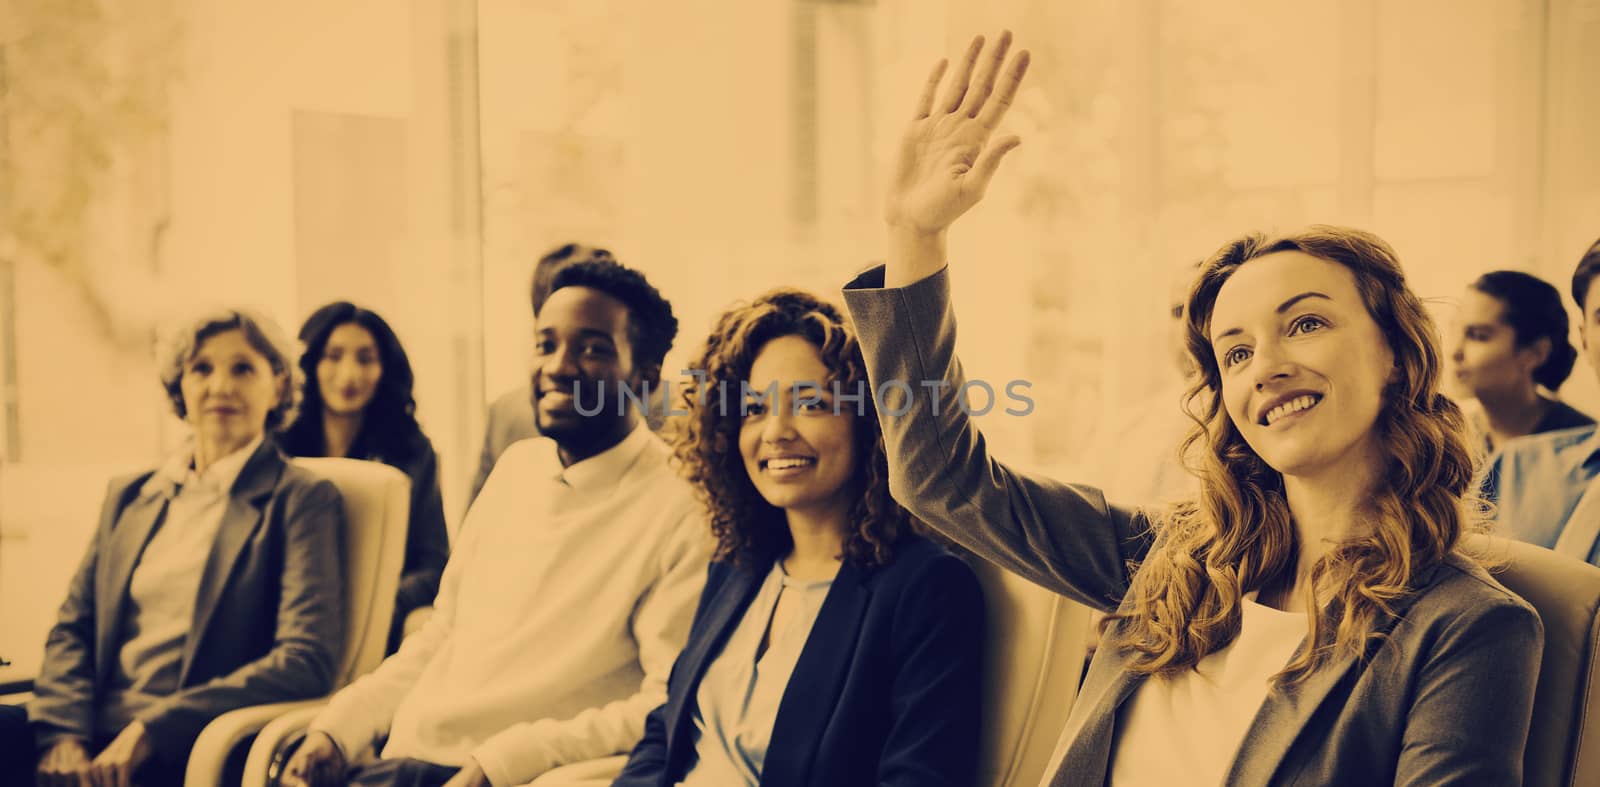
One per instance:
(1546, 487)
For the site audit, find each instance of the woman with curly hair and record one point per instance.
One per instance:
(832, 645)
(358, 404)
(1311, 616)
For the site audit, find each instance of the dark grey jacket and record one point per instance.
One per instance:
(268, 619)
(1446, 698)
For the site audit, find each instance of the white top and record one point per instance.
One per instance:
(738, 700)
(1186, 730)
(561, 610)
(161, 593)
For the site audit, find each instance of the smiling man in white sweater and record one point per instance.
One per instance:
(571, 587)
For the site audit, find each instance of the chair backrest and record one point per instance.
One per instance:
(1563, 747)
(1034, 659)
(377, 507)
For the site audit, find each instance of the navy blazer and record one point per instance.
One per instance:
(268, 618)
(886, 691)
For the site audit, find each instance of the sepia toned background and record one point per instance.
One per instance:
(417, 157)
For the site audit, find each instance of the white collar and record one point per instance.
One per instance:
(607, 467)
(218, 478)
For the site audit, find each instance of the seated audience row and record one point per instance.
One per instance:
(769, 598)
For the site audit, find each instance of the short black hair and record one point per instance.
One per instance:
(1532, 307)
(554, 260)
(651, 326)
(1588, 270)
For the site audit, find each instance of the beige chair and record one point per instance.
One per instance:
(590, 773)
(1034, 659)
(377, 500)
(1563, 744)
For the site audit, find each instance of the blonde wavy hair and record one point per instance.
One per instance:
(1237, 535)
(748, 529)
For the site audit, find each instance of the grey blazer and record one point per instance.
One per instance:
(1445, 698)
(268, 619)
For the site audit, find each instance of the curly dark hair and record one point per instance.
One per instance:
(749, 530)
(561, 256)
(389, 426)
(651, 326)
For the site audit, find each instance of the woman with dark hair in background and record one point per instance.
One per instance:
(832, 646)
(1513, 341)
(358, 404)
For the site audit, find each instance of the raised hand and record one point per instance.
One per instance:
(947, 157)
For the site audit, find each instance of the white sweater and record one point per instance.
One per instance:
(561, 611)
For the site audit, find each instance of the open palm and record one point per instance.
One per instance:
(946, 155)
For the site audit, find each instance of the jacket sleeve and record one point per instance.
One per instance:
(427, 538)
(1473, 702)
(309, 635)
(64, 694)
(1063, 537)
(935, 697)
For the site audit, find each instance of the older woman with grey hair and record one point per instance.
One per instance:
(211, 582)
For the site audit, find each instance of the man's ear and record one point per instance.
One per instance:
(647, 375)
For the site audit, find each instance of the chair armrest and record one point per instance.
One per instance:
(20, 686)
(415, 620)
(15, 691)
(589, 773)
(284, 729)
(228, 731)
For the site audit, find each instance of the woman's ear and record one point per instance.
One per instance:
(282, 392)
(1538, 352)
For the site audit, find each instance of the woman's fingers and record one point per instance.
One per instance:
(983, 85)
(958, 88)
(996, 108)
(989, 162)
(925, 103)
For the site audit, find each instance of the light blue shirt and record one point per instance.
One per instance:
(1536, 482)
(737, 703)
